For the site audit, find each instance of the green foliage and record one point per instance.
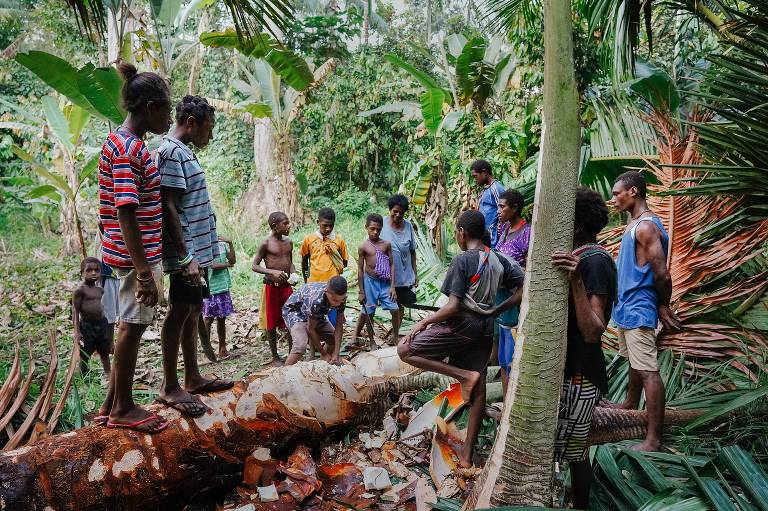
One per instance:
(95, 90)
(323, 36)
(655, 86)
(291, 67)
(335, 148)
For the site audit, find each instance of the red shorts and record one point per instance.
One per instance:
(274, 299)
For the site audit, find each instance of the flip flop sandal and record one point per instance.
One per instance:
(215, 385)
(181, 410)
(134, 426)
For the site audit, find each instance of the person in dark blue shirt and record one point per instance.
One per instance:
(489, 198)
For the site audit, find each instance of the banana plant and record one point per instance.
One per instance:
(271, 108)
(166, 43)
(289, 66)
(96, 90)
(470, 72)
(71, 165)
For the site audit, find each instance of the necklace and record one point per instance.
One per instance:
(646, 210)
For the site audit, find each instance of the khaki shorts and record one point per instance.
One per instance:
(300, 335)
(131, 311)
(639, 345)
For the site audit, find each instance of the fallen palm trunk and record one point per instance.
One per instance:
(100, 468)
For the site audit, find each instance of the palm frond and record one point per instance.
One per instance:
(250, 17)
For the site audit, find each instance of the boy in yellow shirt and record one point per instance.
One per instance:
(324, 252)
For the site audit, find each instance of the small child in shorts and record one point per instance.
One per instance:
(375, 274)
(88, 319)
(219, 305)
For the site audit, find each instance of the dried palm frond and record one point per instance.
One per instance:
(706, 282)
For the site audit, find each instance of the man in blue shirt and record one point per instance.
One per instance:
(489, 198)
(644, 293)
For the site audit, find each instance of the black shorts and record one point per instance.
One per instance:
(182, 291)
(466, 340)
(93, 336)
(405, 295)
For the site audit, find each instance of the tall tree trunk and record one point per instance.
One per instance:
(428, 23)
(263, 195)
(366, 21)
(289, 190)
(519, 470)
(71, 230)
(194, 67)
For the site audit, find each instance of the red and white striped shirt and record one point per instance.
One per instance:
(128, 175)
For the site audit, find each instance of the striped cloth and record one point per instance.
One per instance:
(180, 169)
(127, 175)
(578, 399)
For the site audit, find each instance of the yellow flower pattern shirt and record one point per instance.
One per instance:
(326, 256)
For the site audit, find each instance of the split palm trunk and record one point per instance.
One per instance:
(519, 470)
(100, 468)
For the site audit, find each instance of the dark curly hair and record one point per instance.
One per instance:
(141, 88)
(473, 223)
(633, 178)
(326, 214)
(374, 218)
(398, 200)
(338, 285)
(195, 107)
(591, 211)
(482, 166)
(513, 198)
(276, 217)
(89, 260)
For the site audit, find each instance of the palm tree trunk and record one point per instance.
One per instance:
(519, 470)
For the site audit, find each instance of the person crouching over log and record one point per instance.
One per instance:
(305, 314)
(463, 328)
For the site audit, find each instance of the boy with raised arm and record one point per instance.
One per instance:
(276, 252)
(375, 275)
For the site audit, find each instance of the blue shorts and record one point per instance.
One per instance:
(377, 293)
(506, 347)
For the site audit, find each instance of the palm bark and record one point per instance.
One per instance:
(519, 470)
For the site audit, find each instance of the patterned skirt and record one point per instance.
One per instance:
(218, 305)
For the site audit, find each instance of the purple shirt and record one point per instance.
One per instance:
(514, 244)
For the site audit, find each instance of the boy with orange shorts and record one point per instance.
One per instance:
(276, 252)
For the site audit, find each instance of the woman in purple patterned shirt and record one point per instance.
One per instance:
(514, 232)
(512, 240)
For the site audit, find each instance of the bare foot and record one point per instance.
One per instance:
(647, 446)
(465, 457)
(224, 354)
(468, 385)
(276, 362)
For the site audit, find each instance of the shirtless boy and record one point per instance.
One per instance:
(90, 324)
(276, 252)
(375, 274)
